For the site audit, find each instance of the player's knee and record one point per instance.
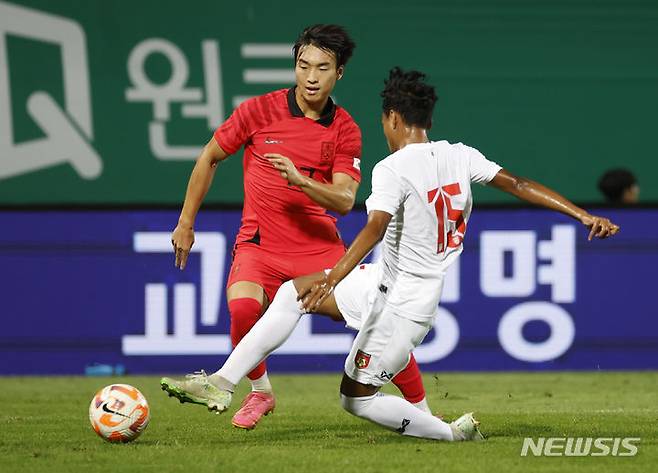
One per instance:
(245, 308)
(357, 406)
(286, 296)
(287, 290)
(244, 315)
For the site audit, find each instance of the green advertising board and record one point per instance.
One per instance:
(109, 101)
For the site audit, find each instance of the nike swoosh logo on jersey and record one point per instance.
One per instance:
(107, 409)
(270, 141)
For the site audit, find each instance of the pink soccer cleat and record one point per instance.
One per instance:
(254, 407)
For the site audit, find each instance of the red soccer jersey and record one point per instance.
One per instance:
(277, 216)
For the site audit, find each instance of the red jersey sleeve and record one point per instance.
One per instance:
(240, 126)
(348, 151)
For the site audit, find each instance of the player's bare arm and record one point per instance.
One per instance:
(538, 194)
(339, 195)
(200, 180)
(363, 244)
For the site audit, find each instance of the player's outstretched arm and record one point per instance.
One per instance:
(363, 244)
(197, 187)
(538, 194)
(339, 195)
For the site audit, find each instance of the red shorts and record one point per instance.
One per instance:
(269, 270)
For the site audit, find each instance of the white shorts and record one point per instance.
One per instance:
(382, 347)
(385, 340)
(356, 294)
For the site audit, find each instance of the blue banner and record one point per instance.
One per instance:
(528, 293)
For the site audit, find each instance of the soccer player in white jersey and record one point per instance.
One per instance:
(420, 204)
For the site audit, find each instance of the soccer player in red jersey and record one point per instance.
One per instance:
(301, 158)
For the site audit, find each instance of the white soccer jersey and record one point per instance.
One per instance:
(426, 187)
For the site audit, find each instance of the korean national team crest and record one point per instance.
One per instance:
(327, 152)
(362, 359)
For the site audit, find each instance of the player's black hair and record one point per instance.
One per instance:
(408, 94)
(614, 182)
(330, 38)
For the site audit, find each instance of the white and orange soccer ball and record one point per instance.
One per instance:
(119, 413)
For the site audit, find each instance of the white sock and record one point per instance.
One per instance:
(422, 405)
(269, 333)
(397, 414)
(262, 384)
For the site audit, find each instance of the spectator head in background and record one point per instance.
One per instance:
(619, 186)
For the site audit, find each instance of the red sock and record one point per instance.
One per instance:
(410, 382)
(245, 312)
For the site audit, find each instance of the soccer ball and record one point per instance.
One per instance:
(119, 413)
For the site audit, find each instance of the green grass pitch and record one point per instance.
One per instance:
(44, 427)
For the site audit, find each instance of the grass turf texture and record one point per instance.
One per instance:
(44, 427)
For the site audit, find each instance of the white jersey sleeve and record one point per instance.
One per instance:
(388, 190)
(482, 170)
